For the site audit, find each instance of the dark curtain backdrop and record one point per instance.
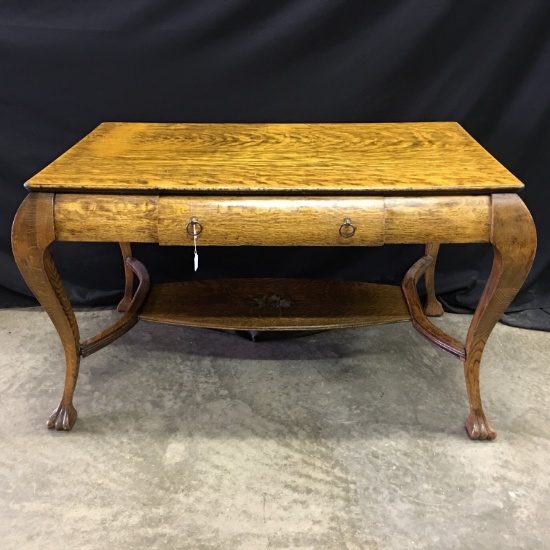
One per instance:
(67, 66)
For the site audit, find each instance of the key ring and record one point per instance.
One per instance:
(347, 226)
(194, 222)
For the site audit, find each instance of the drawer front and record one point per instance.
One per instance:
(271, 221)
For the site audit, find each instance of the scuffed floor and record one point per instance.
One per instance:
(349, 439)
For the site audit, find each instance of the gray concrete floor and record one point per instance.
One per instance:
(198, 439)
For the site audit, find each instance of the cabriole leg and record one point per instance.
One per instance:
(124, 304)
(514, 244)
(432, 308)
(32, 235)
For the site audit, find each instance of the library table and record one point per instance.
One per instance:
(198, 185)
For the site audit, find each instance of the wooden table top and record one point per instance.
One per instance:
(313, 159)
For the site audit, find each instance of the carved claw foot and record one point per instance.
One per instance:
(479, 426)
(62, 418)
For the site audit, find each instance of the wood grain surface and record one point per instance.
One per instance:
(274, 304)
(32, 237)
(514, 241)
(395, 183)
(432, 307)
(124, 304)
(455, 219)
(418, 316)
(391, 158)
(130, 317)
(271, 221)
(105, 218)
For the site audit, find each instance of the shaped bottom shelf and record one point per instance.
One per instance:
(274, 304)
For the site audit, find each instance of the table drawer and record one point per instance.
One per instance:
(271, 221)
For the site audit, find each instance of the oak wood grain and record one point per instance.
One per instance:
(124, 304)
(271, 221)
(130, 317)
(514, 243)
(32, 236)
(274, 304)
(418, 317)
(455, 219)
(105, 218)
(433, 307)
(358, 158)
(277, 184)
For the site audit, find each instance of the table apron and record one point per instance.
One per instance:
(273, 221)
(105, 218)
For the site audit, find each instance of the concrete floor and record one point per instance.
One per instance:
(197, 439)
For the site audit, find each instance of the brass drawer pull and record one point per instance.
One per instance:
(347, 229)
(194, 227)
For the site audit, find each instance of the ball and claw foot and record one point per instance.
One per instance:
(479, 426)
(62, 418)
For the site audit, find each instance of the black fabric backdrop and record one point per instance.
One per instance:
(67, 66)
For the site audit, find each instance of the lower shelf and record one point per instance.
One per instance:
(274, 304)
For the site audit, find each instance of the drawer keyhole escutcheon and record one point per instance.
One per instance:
(194, 227)
(347, 229)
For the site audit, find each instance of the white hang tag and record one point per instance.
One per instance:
(196, 256)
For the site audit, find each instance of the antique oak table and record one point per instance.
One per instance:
(273, 185)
